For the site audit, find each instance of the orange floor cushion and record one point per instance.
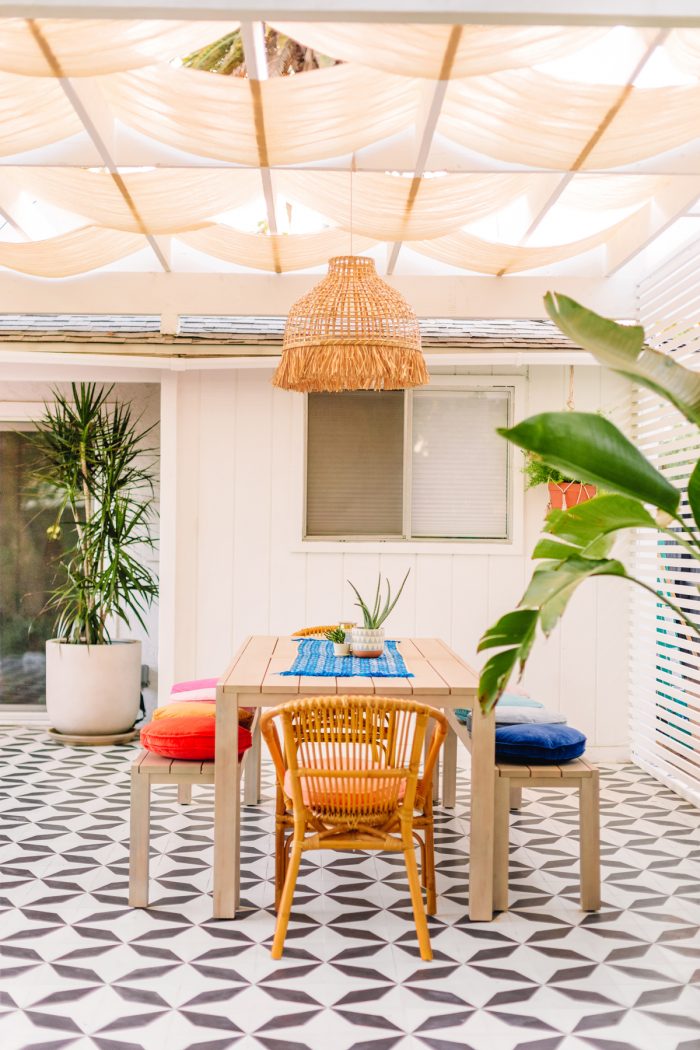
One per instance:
(189, 736)
(200, 709)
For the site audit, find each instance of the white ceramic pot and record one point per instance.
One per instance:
(367, 642)
(341, 648)
(93, 690)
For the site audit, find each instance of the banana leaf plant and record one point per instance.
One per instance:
(578, 543)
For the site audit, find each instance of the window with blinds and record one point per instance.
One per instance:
(665, 665)
(423, 464)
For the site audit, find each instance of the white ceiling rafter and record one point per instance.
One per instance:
(253, 37)
(93, 123)
(428, 134)
(477, 12)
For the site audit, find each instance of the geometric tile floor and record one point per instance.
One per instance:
(81, 970)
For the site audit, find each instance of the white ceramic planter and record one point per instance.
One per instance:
(341, 648)
(93, 690)
(367, 642)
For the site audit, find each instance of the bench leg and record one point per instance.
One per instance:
(516, 798)
(251, 773)
(449, 770)
(589, 817)
(184, 793)
(139, 839)
(500, 843)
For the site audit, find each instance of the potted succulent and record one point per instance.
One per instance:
(95, 462)
(368, 640)
(563, 491)
(337, 636)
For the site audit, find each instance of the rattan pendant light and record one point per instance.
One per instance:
(351, 332)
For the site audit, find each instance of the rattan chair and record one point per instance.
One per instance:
(349, 778)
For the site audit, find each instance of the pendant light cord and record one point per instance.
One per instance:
(570, 398)
(352, 165)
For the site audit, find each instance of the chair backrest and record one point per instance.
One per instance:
(353, 759)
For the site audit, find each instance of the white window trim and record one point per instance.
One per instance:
(21, 411)
(514, 545)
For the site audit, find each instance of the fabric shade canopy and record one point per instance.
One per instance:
(438, 206)
(90, 47)
(419, 50)
(270, 251)
(33, 113)
(511, 116)
(70, 253)
(311, 116)
(167, 199)
(472, 253)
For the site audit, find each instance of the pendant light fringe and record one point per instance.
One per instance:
(335, 368)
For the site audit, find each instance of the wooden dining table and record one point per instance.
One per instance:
(440, 678)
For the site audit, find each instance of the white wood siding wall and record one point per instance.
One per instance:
(232, 563)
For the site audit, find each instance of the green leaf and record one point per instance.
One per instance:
(694, 493)
(590, 448)
(583, 524)
(622, 348)
(547, 548)
(553, 584)
(514, 634)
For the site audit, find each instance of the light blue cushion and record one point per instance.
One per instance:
(512, 716)
(515, 700)
(539, 743)
(507, 700)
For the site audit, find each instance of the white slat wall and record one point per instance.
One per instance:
(665, 656)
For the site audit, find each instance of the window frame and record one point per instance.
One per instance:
(513, 543)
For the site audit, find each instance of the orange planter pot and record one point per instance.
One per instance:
(565, 494)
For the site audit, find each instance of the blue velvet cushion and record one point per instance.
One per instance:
(538, 743)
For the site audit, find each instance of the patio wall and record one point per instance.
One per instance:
(231, 451)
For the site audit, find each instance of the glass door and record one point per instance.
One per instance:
(27, 572)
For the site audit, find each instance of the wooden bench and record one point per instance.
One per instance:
(149, 769)
(579, 774)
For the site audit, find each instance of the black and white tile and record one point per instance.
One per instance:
(80, 969)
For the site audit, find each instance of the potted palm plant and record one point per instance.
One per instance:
(368, 640)
(95, 462)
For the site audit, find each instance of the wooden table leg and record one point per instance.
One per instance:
(449, 770)
(226, 806)
(481, 833)
(251, 773)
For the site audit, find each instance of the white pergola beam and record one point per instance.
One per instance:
(428, 134)
(672, 202)
(253, 37)
(511, 12)
(172, 294)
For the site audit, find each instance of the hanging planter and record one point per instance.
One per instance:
(565, 494)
